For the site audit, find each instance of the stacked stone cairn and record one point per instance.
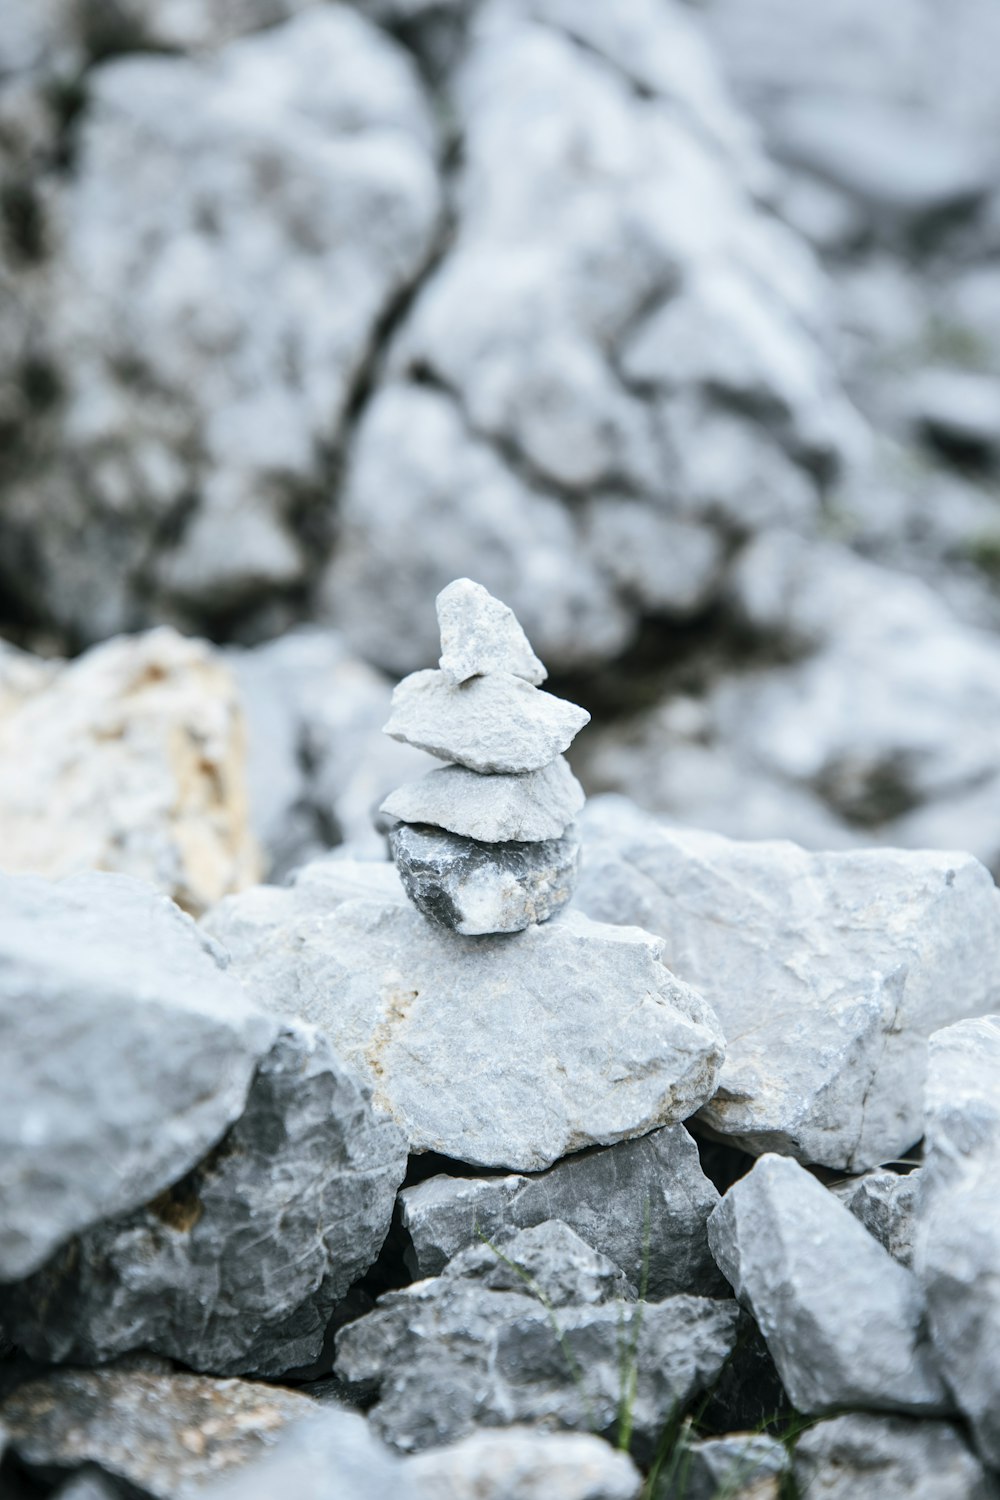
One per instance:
(487, 843)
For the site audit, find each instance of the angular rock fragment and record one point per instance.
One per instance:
(643, 1203)
(125, 1053)
(165, 1435)
(500, 1051)
(495, 809)
(521, 1463)
(549, 1255)
(844, 1322)
(861, 1457)
(476, 888)
(957, 1236)
(829, 971)
(885, 1203)
(479, 634)
(452, 1354)
(236, 1267)
(489, 724)
(740, 1466)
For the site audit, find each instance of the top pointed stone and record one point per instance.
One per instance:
(481, 635)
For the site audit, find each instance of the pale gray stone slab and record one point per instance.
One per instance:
(494, 723)
(125, 1053)
(495, 809)
(500, 1051)
(644, 1203)
(862, 1457)
(828, 971)
(521, 1463)
(237, 1267)
(843, 1321)
(957, 1239)
(479, 634)
(474, 888)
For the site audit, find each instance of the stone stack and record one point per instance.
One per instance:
(486, 844)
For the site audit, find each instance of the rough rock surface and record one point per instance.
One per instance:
(238, 1266)
(860, 1457)
(957, 1238)
(827, 1007)
(643, 1203)
(125, 1053)
(886, 1204)
(524, 1464)
(167, 1435)
(493, 1050)
(496, 809)
(740, 1466)
(476, 888)
(453, 1353)
(479, 634)
(131, 758)
(844, 1322)
(495, 723)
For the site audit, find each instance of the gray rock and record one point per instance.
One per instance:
(957, 1240)
(332, 1456)
(494, 723)
(874, 950)
(549, 1256)
(497, 809)
(844, 1321)
(476, 888)
(886, 1204)
(238, 1266)
(521, 1463)
(166, 1435)
(643, 1203)
(125, 1053)
(740, 1466)
(479, 634)
(861, 1457)
(451, 1354)
(532, 1075)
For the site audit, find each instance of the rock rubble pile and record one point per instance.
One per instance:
(486, 844)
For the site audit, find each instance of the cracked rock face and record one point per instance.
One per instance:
(126, 1052)
(525, 808)
(492, 1050)
(236, 1267)
(827, 1014)
(844, 1322)
(476, 1347)
(481, 888)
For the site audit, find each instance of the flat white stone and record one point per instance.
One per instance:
(525, 809)
(489, 724)
(479, 634)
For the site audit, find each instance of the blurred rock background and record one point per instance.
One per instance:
(677, 326)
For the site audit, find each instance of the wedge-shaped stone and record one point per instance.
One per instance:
(489, 724)
(957, 1238)
(125, 1053)
(236, 1268)
(860, 1457)
(643, 1203)
(498, 809)
(843, 1320)
(479, 635)
(828, 971)
(476, 888)
(500, 1051)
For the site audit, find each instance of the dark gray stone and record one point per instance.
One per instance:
(609, 1196)
(475, 888)
(549, 1255)
(885, 1203)
(125, 1053)
(238, 1266)
(740, 1466)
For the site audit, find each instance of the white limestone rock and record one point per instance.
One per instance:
(475, 888)
(495, 723)
(522, 1463)
(862, 1457)
(479, 634)
(501, 1051)
(828, 971)
(843, 1321)
(525, 808)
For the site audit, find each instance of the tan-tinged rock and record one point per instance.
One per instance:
(132, 759)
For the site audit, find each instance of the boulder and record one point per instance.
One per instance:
(528, 808)
(861, 1457)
